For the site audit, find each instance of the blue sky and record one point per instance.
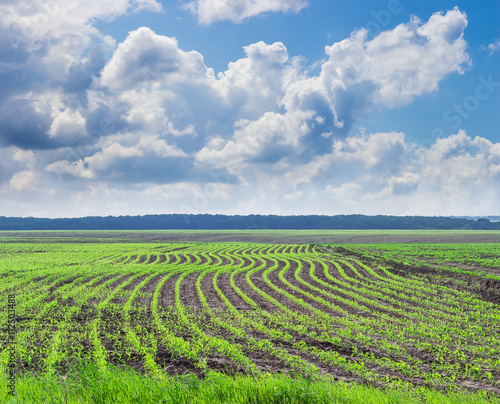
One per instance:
(249, 106)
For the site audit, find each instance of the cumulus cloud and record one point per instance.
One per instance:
(67, 124)
(23, 180)
(115, 125)
(147, 57)
(111, 161)
(493, 47)
(390, 69)
(210, 11)
(269, 139)
(256, 83)
(54, 52)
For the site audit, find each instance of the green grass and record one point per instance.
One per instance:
(86, 384)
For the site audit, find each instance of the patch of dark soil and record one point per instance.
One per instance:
(264, 304)
(213, 299)
(213, 259)
(152, 259)
(237, 260)
(132, 285)
(485, 289)
(149, 288)
(281, 249)
(173, 365)
(289, 276)
(191, 259)
(119, 281)
(104, 279)
(95, 300)
(246, 262)
(259, 282)
(167, 292)
(132, 259)
(163, 258)
(224, 260)
(204, 259)
(224, 285)
(182, 259)
(143, 259)
(273, 250)
(62, 283)
(189, 295)
(319, 273)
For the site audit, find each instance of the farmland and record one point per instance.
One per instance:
(408, 317)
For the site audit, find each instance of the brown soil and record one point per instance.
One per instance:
(486, 289)
(132, 259)
(189, 295)
(150, 287)
(112, 317)
(167, 293)
(224, 285)
(213, 299)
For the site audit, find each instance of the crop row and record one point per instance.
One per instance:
(247, 308)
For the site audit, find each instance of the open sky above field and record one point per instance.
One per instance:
(117, 107)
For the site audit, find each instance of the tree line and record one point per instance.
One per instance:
(237, 222)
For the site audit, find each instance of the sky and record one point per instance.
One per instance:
(288, 107)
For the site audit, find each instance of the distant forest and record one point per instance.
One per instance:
(218, 222)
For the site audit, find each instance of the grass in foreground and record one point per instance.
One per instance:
(86, 384)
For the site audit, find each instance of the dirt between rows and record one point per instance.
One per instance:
(319, 273)
(405, 303)
(95, 300)
(112, 324)
(224, 284)
(485, 289)
(432, 275)
(189, 295)
(264, 361)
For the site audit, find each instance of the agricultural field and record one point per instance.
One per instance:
(420, 319)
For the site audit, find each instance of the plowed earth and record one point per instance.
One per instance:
(281, 308)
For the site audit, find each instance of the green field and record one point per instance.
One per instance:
(120, 320)
(258, 236)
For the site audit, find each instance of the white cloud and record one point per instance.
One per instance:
(23, 180)
(24, 156)
(146, 57)
(346, 192)
(406, 183)
(493, 47)
(68, 125)
(293, 196)
(256, 83)
(210, 11)
(379, 151)
(267, 140)
(395, 66)
(77, 169)
(67, 22)
(265, 135)
(110, 153)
